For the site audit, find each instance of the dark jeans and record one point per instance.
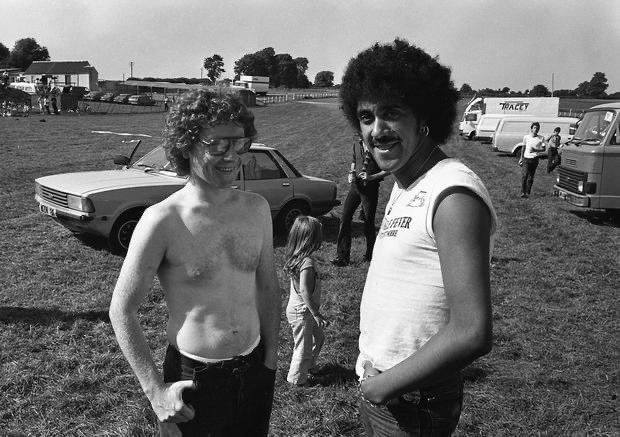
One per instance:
(527, 174)
(553, 159)
(231, 398)
(436, 413)
(368, 196)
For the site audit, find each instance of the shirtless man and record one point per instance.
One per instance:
(211, 248)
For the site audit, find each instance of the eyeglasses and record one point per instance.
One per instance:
(221, 146)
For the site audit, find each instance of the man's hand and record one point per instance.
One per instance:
(351, 176)
(168, 403)
(366, 386)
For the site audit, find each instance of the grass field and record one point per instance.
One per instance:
(553, 369)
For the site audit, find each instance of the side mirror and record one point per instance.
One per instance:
(121, 160)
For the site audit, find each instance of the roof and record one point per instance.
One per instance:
(610, 105)
(59, 67)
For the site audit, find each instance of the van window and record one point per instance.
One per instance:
(594, 125)
(471, 117)
(517, 127)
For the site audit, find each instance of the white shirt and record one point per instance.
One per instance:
(404, 302)
(533, 145)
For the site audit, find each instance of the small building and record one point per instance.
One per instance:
(64, 73)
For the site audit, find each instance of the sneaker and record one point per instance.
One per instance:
(339, 262)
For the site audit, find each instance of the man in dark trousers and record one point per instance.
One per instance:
(364, 177)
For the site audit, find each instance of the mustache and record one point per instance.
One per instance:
(383, 140)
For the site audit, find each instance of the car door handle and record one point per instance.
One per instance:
(286, 184)
(234, 187)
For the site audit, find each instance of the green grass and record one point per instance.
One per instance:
(553, 369)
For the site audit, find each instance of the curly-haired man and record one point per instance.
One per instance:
(215, 264)
(426, 306)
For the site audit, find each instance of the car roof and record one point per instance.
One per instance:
(610, 105)
(533, 118)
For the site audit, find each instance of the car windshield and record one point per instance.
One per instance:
(594, 127)
(155, 160)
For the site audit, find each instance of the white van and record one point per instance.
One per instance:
(487, 125)
(510, 131)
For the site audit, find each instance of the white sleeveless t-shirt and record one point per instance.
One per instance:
(404, 303)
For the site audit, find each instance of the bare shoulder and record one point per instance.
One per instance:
(254, 201)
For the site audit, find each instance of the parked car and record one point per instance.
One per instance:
(122, 98)
(107, 97)
(109, 203)
(93, 95)
(141, 99)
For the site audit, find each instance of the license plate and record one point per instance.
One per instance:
(47, 210)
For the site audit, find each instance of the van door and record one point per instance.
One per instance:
(610, 177)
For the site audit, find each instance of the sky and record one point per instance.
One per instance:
(486, 43)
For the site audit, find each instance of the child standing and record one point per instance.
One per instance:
(304, 301)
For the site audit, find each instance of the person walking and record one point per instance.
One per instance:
(426, 306)
(303, 308)
(533, 146)
(553, 152)
(364, 178)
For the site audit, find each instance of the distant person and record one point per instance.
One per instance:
(364, 178)
(533, 146)
(426, 307)
(5, 79)
(303, 309)
(212, 249)
(166, 104)
(54, 104)
(554, 142)
(46, 105)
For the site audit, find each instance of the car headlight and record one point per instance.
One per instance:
(83, 204)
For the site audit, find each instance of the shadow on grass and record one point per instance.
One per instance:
(335, 374)
(598, 218)
(474, 374)
(46, 316)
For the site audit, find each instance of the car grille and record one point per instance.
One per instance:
(53, 196)
(569, 178)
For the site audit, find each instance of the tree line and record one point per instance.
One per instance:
(595, 88)
(285, 71)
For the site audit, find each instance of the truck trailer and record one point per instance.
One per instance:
(478, 106)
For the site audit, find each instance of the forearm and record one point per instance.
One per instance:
(269, 314)
(132, 342)
(447, 352)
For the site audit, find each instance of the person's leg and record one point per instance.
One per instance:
(318, 337)
(531, 165)
(256, 399)
(369, 205)
(524, 176)
(352, 201)
(551, 159)
(301, 360)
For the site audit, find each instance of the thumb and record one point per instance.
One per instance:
(177, 388)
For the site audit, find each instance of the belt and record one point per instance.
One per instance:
(235, 365)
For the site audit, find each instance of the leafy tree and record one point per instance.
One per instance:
(324, 79)
(539, 91)
(466, 89)
(598, 85)
(4, 55)
(302, 67)
(286, 73)
(26, 51)
(505, 90)
(583, 89)
(214, 66)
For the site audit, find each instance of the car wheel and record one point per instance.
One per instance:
(123, 230)
(471, 136)
(289, 213)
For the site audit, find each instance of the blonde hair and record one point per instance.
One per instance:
(305, 237)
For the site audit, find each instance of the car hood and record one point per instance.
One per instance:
(88, 182)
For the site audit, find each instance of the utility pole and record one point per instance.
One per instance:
(552, 78)
(131, 69)
(201, 72)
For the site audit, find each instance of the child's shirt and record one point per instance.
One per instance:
(295, 299)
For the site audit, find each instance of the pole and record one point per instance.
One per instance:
(552, 79)
(131, 69)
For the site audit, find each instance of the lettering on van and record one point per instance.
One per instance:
(514, 106)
